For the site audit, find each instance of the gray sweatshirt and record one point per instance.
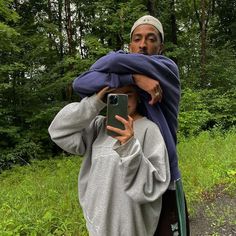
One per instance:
(120, 186)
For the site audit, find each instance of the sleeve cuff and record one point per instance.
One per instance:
(126, 79)
(96, 103)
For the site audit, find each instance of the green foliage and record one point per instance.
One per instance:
(222, 108)
(7, 34)
(6, 13)
(41, 198)
(221, 70)
(41, 52)
(206, 109)
(21, 154)
(205, 161)
(226, 22)
(194, 113)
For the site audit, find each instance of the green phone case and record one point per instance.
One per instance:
(117, 104)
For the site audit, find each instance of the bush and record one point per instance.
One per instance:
(205, 110)
(194, 113)
(22, 154)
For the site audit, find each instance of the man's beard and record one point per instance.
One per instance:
(143, 52)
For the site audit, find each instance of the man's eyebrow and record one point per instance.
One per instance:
(152, 34)
(137, 35)
(141, 35)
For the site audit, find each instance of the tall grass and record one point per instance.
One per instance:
(41, 199)
(206, 161)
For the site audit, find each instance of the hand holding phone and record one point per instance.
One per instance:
(119, 124)
(117, 104)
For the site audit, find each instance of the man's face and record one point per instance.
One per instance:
(146, 39)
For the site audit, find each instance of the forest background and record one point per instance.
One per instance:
(45, 44)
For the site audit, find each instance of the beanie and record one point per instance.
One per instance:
(150, 20)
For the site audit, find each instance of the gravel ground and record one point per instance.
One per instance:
(215, 217)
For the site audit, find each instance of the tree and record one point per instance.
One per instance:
(203, 15)
(45, 44)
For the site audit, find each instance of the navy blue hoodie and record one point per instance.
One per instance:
(116, 70)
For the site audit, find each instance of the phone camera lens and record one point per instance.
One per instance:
(113, 100)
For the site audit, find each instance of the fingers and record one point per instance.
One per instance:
(158, 92)
(123, 135)
(128, 125)
(154, 99)
(104, 91)
(156, 95)
(123, 120)
(114, 129)
(151, 86)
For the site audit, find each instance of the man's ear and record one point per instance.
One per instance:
(162, 48)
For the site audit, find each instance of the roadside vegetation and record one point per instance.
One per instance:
(207, 161)
(41, 198)
(45, 45)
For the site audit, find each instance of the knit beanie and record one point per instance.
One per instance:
(150, 20)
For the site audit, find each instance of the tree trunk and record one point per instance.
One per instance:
(203, 27)
(119, 36)
(173, 23)
(50, 21)
(60, 29)
(80, 34)
(69, 30)
(203, 19)
(151, 7)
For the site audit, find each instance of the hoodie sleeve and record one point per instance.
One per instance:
(75, 126)
(124, 65)
(145, 170)
(116, 69)
(92, 81)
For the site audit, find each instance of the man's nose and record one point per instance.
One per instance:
(143, 43)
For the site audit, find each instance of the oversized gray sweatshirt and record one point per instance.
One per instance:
(120, 186)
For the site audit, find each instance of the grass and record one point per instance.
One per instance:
(41, 199)
(207, 161)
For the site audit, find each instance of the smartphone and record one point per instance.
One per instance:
(117, 104)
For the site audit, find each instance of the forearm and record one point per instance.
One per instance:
(122, 64)
(93, 81)
(159, 68)
(152, 66)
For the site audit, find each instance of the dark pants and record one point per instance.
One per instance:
(169, 220)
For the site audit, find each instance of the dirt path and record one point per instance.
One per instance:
(215, 217)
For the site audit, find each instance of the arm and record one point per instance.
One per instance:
(116, 70)
(156, 67)
(145, 170)
(74, 127)
(92, 81)
(135, 63)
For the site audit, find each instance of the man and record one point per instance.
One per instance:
(152, 73)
